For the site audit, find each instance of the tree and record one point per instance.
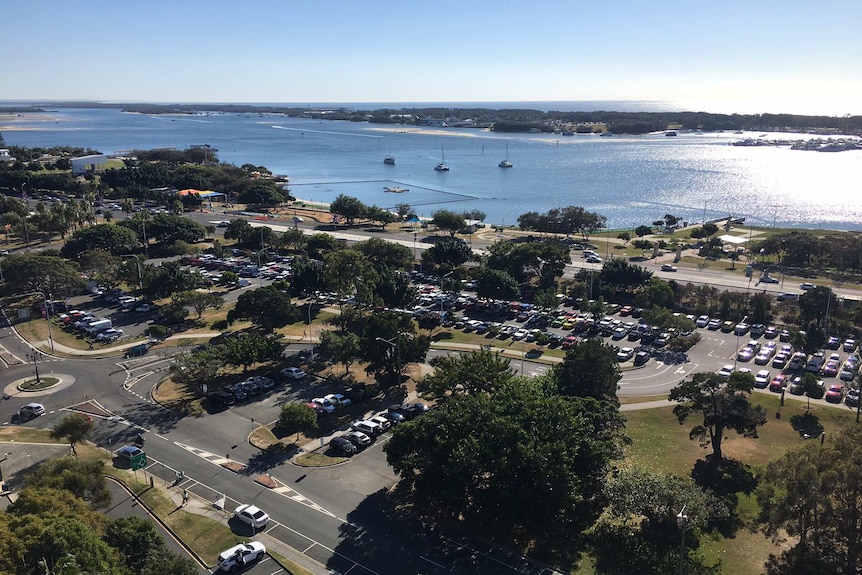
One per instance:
(317, 245)
(723, 405)
(265, 307)
(81, 477)
(658, 293)
(448, 221)
(625, 237)
(496, 284)
(307, 276)
(113, 238)
(448, 252)
(467, 373)
(393, 289)
(195, 369)
(638, 531)
(811, 388)
(642, 231)
(381, 215)
(383, 254)
(814, 302)
(137, 541)
(246, 350)
(168, 228)
(343, 348)
(53, 276)
(296, 418)
(620, 274)
(813, 494)
(670, 220)
(389, 343)
(546, 259)
(403, 210)
(168, 278)
(198, 300)
(590, 369)
(74, 428)
(359, 282)
(474, 214)
(347, 207)
(101, 267)
(261, 194)
(293, 238)
(524, 463)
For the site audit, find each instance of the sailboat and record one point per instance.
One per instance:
(506, 163)
(442, 167)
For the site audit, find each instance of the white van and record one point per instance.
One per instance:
(368, 427)
(98, 326)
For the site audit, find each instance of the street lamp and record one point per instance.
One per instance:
(441, 287)
(736, 353)
(682, 523)
(35, 356)
(47, 315)
(397, 345)
(311, 341)
(138, 265)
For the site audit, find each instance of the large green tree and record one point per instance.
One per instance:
(383, 254)
(639, 534)
(266, 307)
(524, 463)
(53, 276)
(347, 207)
(448, 221)
(82, 477)
(198, 300)
(467, 373)
(343, 348)
(622, 275)
(723, 405)
(74, 428)
(389, 343)
(296, 417)
(590, 369)
(813, 494)
(448, 253)
(112, 238)
(496, 284)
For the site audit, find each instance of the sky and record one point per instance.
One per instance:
(719, 56)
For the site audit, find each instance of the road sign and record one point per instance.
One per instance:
(139, 461)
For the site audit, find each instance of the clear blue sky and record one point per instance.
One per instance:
(727, 55)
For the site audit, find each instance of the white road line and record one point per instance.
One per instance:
(304, 551)
(432, 562)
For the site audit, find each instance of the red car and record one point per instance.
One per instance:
(778, 383)
(830, 369)
(835, 393)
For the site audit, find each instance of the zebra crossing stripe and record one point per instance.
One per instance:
(282, 489)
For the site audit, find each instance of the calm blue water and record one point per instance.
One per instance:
(631, 180)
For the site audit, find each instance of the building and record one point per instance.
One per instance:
(88, 164)
(4, 156)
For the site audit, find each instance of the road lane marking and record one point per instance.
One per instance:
(281, 489)
(432, 562)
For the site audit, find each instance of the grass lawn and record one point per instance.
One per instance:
(661, 444)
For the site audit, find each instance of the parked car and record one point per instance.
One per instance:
(221, 398)
(725, 371)
(849, 345)
(324, 404)
(805, 286)
(778, 383)
(292, 373)
(342, 445)
(383, 422)
(761, 379)
(338, 399)
(251, 515)
(702, 321)
(625, 354)
(367, 427)
(835, 393)
(240, 556)
(852, 398)
(357, 438)
(393, 416)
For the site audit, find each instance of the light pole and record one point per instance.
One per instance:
(47, 316)
(397, 345)
(736, 353)
(682, 523)
(138, 265)
(35, 356)
(311, 341)
(441, 287)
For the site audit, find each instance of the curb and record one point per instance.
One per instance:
(158, 519)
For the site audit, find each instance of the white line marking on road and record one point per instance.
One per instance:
(431, 562)
(304, 551)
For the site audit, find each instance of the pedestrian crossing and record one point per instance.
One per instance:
(281, 489)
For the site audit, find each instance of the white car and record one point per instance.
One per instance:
(702, 321)
(239, 556)
(625, 354)
(31, 411)
(292, 373)
(143, 308)
(725, 371)
(251, 515)
(668, 268)
(324, 404)
(762, 378)
(338, 399)
(381, 421)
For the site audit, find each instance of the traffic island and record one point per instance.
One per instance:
(38, 384)
(27, 387)
(233, 466)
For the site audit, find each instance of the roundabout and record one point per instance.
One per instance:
(26, 387)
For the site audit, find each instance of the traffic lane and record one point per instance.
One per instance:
(124, 505)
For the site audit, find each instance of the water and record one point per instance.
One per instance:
(630, 180)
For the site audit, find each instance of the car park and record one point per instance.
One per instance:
(796, 387)
(393, 416)
(251, 515)
(784, 336)
(342, 445)
(745, 354)
(761, 379)
(240, 556)
(835, 393)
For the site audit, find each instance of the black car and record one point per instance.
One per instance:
(394, 417)
(342, 445)
(221, 398)
(403, 411)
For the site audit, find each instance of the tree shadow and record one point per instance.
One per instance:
(807, 425)
(440, 336)
(272, 456)
(726, 478)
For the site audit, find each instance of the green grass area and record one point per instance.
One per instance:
(318, 460)
(43, 383)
